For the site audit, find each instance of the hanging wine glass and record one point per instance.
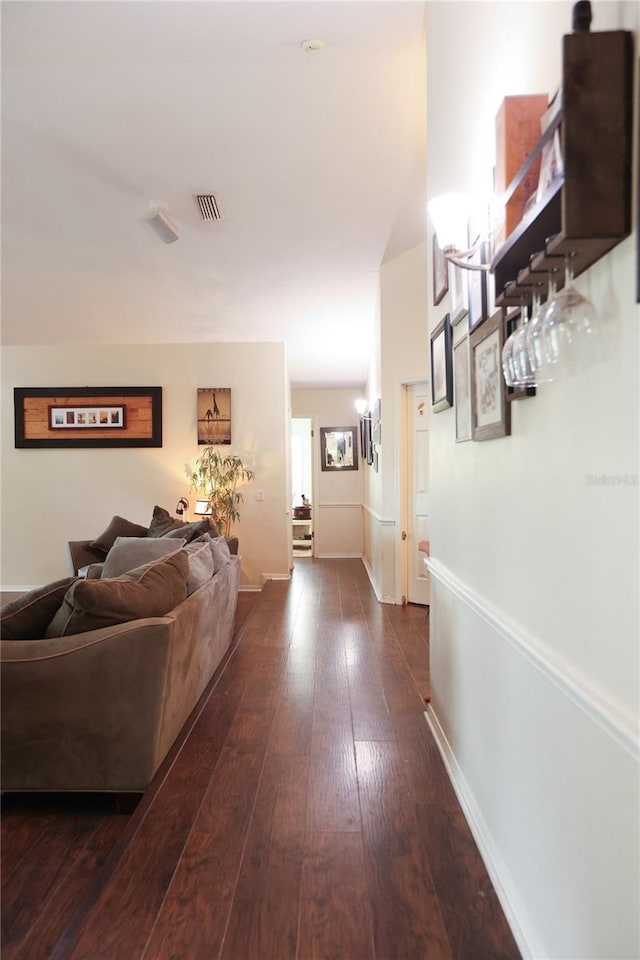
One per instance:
(524, 375)
(542, 369)
(570, 327)
(508, 368)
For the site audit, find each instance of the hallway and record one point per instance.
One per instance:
(308, 814)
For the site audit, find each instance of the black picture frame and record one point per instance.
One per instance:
(441, 365)
(440, 272)
(142, 417)
(638, 192)
(369, 442)
(338, 448)
(490, 410)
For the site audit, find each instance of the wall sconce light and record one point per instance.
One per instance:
(362, 406)
(202, 508)
(450, 217)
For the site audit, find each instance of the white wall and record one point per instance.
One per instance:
(337, 496)
(534, 630)
(51, 496)
(403, 359)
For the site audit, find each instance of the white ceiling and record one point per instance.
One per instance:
(317, 163)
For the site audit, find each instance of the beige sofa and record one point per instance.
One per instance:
(98, 711)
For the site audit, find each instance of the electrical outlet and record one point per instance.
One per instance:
(259, 494)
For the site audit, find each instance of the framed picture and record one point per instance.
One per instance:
(459, 294)
(84, 417)
(477, 292)
(87, 417)
(490, 412)
(338, 448)
(490, 283)
(376, 422)
(214, 415)
(440, 273)
(363, 438)
(462, 389)
(441, 366)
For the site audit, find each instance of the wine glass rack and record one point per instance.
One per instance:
(587, 211)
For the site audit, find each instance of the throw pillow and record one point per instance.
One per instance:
(119, 527)
(130, 552)
(200, 565)
(92, 604)
(220, 551)
(27, 617)
(191, 531)
(162, 522)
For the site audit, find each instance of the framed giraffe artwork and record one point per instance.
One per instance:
(214, 415)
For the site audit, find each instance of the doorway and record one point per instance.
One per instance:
(302, 486)
(418, 414)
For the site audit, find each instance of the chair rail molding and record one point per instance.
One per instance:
(383, 521)
(618, 724)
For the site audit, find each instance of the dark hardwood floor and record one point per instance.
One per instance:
(306, 815)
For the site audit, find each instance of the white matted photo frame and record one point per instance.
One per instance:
(490, 282)
(477, 293)
(440, 272)
(441, 366)
(490, 411)
(459, 287)
(462, 389)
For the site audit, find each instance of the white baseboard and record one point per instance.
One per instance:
(339, 556)
(510, 902)
(379, 597)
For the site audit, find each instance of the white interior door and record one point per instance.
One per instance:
(418, 417)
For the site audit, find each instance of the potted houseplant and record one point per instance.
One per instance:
(215, 478)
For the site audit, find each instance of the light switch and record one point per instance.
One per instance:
(259, 494)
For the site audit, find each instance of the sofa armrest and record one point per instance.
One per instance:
(232, 543)
(82, 712)
(80, 554)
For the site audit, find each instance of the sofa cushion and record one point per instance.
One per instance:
(191, 531)
(219, 550)
(130, 552)
(162, 523)
(200, 565)
(27, 617)
(153, 592)
(119, 527)
(221, 553)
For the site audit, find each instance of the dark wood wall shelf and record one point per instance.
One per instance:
(587, 212)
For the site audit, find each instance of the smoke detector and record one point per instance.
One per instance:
(313, 46)
(161, 223)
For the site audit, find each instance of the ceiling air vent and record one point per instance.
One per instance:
(208, 206)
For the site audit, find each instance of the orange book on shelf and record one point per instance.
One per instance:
(517, 132)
